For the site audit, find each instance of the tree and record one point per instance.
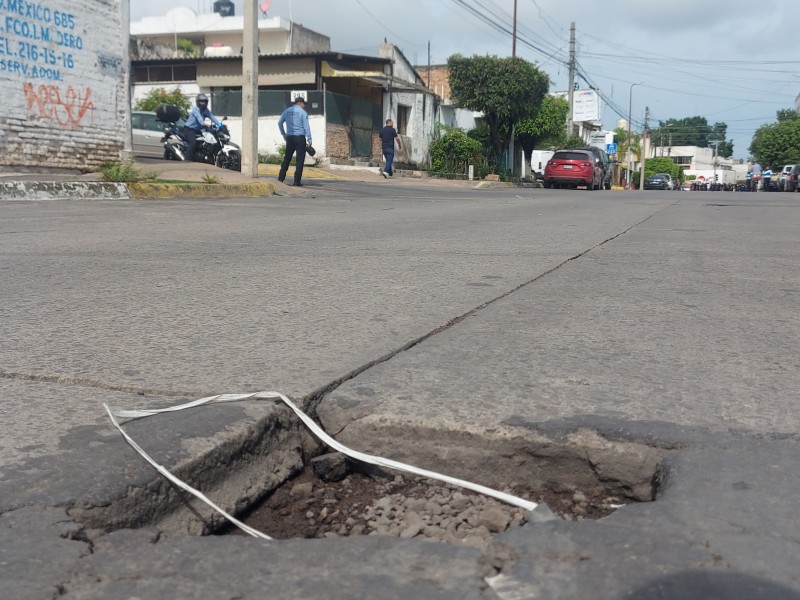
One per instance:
(662, 165)
(159, 96)
(548, 124)
(777, 143)
(693, 131)
(787, 114)
(572, 141)
(505, 90)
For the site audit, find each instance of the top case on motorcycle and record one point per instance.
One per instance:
(168, 113)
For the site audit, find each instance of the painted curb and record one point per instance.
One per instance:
(165, 191)
(62, 190)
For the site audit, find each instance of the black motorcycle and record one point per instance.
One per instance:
(213, 144)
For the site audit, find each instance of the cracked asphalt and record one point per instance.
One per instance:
(647, 342)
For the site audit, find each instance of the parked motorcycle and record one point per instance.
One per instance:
(214, 145)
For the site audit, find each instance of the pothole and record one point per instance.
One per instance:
(342, 501)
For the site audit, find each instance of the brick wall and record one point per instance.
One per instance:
(62, 83)
(439, 80)
(337, 141)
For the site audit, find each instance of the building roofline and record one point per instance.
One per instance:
(283, 56)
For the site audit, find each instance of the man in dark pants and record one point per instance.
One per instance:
(767, 178)
(388, 135)
(295, 129)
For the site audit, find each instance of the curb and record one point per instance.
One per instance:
(165, 191)
(62, 190)
(95, 190)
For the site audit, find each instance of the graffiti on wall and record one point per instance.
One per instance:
(68, 108)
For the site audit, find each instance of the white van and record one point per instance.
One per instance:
(539, 160)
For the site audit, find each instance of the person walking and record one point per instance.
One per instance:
(296, 131)
(756, 175)
(766, 177)
(388, 135)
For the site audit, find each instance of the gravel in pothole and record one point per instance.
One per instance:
(408, 507)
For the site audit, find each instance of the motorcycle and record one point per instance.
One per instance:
(213, 146)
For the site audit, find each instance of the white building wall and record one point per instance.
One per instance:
(269, 136)
(62, 68)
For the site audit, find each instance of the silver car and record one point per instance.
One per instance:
(148, 132)
(784, 176)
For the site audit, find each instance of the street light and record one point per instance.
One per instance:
(630, 111)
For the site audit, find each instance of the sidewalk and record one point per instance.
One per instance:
(196, 180)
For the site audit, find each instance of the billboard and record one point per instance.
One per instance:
(586, 106)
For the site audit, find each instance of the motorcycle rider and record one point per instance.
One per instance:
(194, 124)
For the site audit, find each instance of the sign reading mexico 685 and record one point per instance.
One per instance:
(62, 66)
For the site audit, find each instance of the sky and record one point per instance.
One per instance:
(732, 61)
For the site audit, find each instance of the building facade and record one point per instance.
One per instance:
(63, 71)
(349, 96)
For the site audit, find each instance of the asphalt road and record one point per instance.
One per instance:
(561, 337)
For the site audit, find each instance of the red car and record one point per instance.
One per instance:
(573, 168)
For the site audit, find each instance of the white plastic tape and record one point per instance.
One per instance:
(324, 437)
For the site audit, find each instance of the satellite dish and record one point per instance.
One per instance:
(264, 6)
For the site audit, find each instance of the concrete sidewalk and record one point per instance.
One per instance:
(191, 180)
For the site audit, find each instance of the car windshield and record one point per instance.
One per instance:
(570, 156)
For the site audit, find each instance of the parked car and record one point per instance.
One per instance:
(600, 155)
(783, 177)
(658, 181)
(573, 168)
(791, 184)
(148, 133)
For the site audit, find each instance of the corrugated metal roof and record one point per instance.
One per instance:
(237, 57)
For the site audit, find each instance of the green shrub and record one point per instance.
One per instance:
(186, 46)
(453, 151)
(162, 96)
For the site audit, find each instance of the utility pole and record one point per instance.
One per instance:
(514, 36)
(250, 90)
(629, 140)
(645, 146)
(571, 89)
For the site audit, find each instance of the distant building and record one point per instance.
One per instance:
(348, 96)
(700, 162)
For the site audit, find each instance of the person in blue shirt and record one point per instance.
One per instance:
(766, 178)
(388, 135)
(295, 129)
(194, 124)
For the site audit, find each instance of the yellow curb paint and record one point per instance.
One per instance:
(308, 172)
(163, 191)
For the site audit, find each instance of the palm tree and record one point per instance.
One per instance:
(623, 146)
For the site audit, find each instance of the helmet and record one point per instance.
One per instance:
(201, 100)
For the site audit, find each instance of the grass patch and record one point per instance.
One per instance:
(119, 172)
(211, 178)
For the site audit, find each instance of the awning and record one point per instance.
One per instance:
(373, 75)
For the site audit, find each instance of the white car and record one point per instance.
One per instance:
(784, 175)
(148, 132)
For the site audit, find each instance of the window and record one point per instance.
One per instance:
(403, 113)
(164, 73)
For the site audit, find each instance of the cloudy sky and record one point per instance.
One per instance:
(726, 60)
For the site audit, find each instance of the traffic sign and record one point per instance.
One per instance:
(611, 148)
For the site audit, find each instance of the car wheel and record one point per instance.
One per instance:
(546, 183)
(590, 185)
